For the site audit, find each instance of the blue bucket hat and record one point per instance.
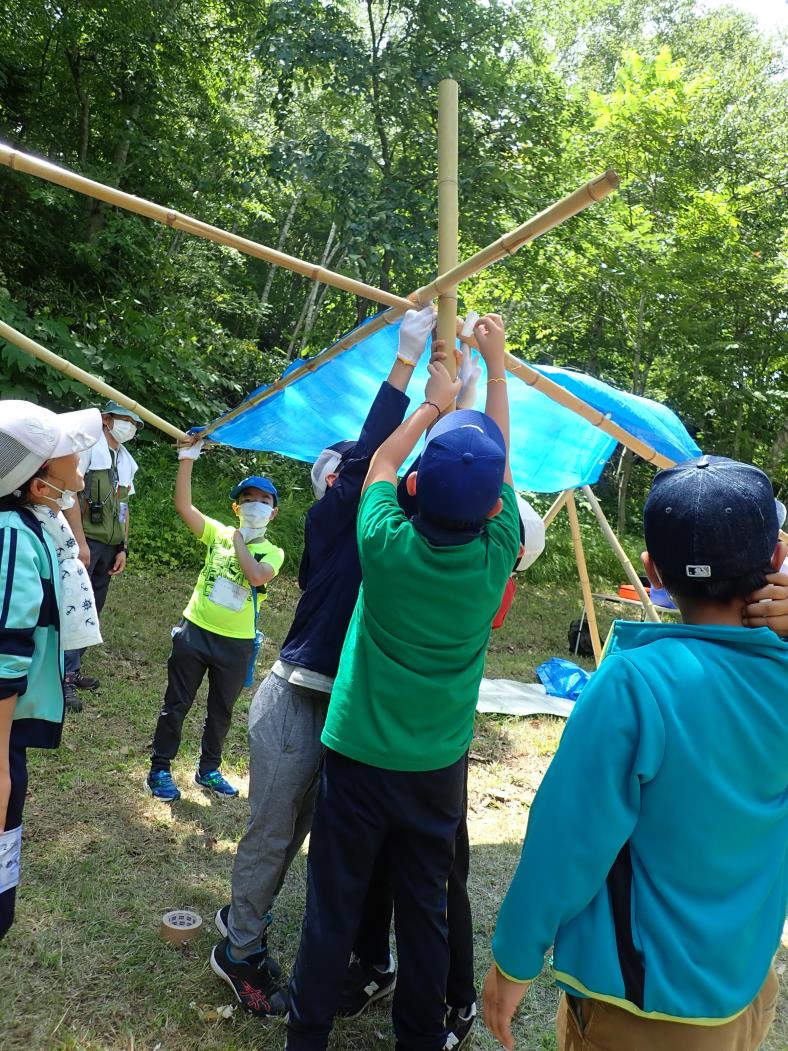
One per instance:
(256, 481)
(460, 475)
(113, 408)
(710, 518)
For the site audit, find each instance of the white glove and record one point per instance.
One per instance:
(414, 329)
(191, 452)
(468, 375)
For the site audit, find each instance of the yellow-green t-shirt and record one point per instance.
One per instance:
(405, 694)
(218, 602)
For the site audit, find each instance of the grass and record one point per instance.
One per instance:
(84, 968)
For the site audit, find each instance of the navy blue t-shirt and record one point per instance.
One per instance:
(330, 573)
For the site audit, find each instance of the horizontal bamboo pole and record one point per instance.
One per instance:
(37, 351)
(595, 190)
(621, 554)
(570, 401)
(23, 162)
(585, 583)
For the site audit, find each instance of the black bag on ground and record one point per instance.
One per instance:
(580, 641)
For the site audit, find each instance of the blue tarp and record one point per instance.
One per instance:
(552, 448)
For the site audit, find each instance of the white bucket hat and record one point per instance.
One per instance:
(30, 435)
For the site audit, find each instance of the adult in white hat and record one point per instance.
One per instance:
(101, 520)
(46, 601)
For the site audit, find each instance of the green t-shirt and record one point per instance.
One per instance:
(222, 599)
(408, 681)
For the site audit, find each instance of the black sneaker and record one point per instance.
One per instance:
(85, 682)
(255, 988)
(364, 985)
(459, 1022)
(220, 921)
(73, 703)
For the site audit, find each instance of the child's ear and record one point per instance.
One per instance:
(410, 483)
(779, 554)
(235, 507)
(274, 513)
(496, 508)
(651, 570)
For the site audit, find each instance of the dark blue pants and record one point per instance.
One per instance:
(18, 763)
(361, 811)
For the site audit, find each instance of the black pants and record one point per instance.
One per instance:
(102, 559)
(18, 762)
(196, 651)
(372, 941)
(362, 811)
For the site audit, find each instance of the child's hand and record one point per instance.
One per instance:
(414, 329)
(469, 372)
(490, 335)
(441, 389)
(501, 997)
(768, 607)
(192, 450)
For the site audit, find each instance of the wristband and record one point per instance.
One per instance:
(406, 361)
(432, 403)
(125, 549)
(497, 379)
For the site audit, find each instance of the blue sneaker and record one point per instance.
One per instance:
(215, 783)
(161, 786)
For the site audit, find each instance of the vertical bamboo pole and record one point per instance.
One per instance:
(629, 569)
(582, 569)
(448, 210)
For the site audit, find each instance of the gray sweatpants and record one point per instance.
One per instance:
(285, 723)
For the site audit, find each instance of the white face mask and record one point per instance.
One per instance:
(123, 431)
(254, 518)
(65, 501)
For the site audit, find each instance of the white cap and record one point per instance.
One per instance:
(30, 435)
(534, 534)
(326, 464)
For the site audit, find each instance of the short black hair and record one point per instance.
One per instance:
(11, 502)
(695, 589)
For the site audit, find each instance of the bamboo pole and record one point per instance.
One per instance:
(554, 390)
(621, 555)
(448, 211)
(596, 190)
(582, 569)
(23, 162)
(553, 510)
(37, 351)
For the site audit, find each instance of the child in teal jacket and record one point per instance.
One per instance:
(656, 856)
(39, 477)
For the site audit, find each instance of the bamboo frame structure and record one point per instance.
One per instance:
(621, 555)
(553, 510)
(582, 569)
(448, 210)
(593, 191)
(37, 351)
(24, 162)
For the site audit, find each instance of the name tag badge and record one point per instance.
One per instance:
(10, 856)
(228, 594)
(123, 512)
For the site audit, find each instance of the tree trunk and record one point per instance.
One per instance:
(74, 60)
(120, 156)
(284, 231)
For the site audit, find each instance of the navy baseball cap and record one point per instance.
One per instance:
(460, 475)
(255, 482)
(710, 518)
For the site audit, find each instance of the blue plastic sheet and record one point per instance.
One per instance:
(552, 448)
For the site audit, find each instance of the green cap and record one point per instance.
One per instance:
(114, 409)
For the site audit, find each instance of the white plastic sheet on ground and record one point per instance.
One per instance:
(507, 697)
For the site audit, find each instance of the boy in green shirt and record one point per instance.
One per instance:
(401, 714)
(217, 633)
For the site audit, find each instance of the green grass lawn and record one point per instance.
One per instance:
(84, 967)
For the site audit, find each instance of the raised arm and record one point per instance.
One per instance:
(414, 330)
(490, 336)
(194, 519)
(439, 394)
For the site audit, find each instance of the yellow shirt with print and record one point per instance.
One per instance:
(213, 613)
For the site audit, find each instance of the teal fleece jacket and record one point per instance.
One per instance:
(31, 660)
(656, 854)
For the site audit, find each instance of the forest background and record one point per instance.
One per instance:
(311, 126)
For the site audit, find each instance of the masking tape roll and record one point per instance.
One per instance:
(180, 926)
